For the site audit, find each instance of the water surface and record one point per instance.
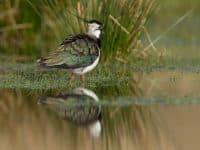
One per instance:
(153, 108)
(74, 119)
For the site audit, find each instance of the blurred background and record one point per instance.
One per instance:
(33, 28)
(30, 29)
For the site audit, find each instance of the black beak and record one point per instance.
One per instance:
(101, 27)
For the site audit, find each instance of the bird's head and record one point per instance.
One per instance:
(95, 28)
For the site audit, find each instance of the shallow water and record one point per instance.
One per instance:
(110, 118)
(155, 109)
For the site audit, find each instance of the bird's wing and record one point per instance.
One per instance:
(75, 52)
(80, 109)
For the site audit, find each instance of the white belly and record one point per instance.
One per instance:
(81, 71)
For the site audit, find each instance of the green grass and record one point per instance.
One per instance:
(46, 23)
(28, 76)
(123, 21)
(107, 75)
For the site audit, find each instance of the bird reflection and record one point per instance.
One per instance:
(80, 106)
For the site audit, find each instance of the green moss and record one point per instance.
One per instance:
(106, 75)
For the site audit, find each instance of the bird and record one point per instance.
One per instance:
(77, 54)
(80, 106)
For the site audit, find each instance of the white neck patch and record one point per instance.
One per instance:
(95, 33)
(93, 29)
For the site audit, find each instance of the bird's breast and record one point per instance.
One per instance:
(88, 68)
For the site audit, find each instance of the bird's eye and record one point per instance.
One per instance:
(100, 27)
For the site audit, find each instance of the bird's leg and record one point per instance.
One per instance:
(72, 77)
(92, 73)
(82, 77)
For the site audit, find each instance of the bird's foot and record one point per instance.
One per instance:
(82, 77)
(72, 77)
(92, 73)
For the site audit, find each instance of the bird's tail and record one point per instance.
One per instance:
(41, 62)
(41, 101)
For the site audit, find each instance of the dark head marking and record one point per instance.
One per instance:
(95, 21)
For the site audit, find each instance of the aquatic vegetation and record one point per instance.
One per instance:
(123, 21)
(138, 94)
(51, 21)
(105, 75)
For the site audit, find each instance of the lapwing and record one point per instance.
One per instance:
(80, 106)
(77, 54)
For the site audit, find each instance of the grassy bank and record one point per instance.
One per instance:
(106, 75)
(36, 27)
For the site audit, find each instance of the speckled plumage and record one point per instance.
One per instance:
(75, 52)
(78, 54)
